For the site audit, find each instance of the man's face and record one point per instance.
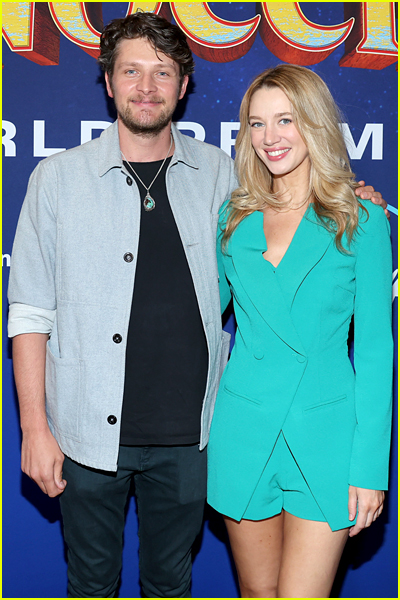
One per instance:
(145, 86)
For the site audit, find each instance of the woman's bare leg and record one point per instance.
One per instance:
(257, 551)
(310, 558)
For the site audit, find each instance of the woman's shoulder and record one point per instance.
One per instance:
(223, 213)
(372, 219)
(223, 207)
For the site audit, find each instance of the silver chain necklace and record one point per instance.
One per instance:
(148, 203)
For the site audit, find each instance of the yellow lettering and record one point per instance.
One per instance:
(289, 35)
(17, 24)
(29, 31)
(372, 43)
(80, 22)
(153, 7)
(32, 29)
(210, 37)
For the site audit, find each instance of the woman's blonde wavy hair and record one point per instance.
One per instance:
(317, 119)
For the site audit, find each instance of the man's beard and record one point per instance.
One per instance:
(140, 127)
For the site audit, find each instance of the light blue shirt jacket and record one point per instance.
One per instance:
(69, 279)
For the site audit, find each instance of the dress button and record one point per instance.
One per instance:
(128, 257)
(112, 419)
(129, 181)
(258, 354)
(117, 338)
(301, 358)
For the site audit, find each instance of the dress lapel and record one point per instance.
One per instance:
(259, 280)
(271, 290)
(308, 246)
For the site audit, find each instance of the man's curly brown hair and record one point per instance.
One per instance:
(161, 34)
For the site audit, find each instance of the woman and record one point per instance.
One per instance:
(299, 445)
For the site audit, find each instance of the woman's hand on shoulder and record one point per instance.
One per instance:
(370, 506)
(367, 192)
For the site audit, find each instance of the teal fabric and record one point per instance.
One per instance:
(290, 371)
(282, 485)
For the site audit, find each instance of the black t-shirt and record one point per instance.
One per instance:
(166, 356)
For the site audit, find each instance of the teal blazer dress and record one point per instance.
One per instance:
(290, 371)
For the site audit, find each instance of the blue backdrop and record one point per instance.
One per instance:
(48, 107)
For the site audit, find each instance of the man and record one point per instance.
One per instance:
(115, 319)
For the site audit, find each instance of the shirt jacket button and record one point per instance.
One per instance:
(117, 338)
(112, 419)
(128, 257)
(129, 181)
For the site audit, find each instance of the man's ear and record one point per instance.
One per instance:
(183, 86)
(109, 88)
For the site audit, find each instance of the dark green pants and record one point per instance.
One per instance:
(170, 488)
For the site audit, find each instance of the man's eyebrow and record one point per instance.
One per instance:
(132, 63)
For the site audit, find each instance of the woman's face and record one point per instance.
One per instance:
(274, 136)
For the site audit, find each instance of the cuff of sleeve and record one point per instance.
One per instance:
(23, 318)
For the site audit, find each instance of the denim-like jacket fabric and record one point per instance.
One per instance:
(69, 278)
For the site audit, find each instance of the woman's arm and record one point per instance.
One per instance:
(373, 363)
(224, 289)
(369, 504)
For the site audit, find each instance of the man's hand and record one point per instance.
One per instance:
(367, 192)
(41, 457)
(370, 506)
(42, 460)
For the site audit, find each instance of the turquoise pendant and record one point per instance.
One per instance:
(149, 203)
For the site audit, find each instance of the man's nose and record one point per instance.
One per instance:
(146, 84)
